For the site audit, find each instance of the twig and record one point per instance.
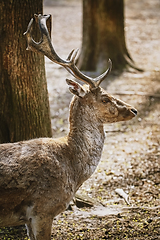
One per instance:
(144, 208)
(124, 195)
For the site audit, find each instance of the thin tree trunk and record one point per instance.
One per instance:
(24, 106)
(103, 36)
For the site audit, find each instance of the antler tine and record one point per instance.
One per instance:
(45, 47)
(104, 75)
(73, 54)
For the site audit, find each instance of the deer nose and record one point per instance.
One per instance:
(134, 111)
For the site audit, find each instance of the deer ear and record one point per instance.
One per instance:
(76, 88)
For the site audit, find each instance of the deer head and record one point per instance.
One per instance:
(108, 108)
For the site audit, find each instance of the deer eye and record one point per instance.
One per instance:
(105, 100)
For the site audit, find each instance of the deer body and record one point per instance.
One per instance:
(54, 167)
(39, 177)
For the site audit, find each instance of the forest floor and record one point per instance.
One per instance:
(121, 200)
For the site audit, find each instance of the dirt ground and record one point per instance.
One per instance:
(121, 200)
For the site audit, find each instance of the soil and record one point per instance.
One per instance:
(121, 200)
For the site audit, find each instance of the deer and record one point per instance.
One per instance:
(39, 177)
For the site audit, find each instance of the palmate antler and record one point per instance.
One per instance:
(45, 47)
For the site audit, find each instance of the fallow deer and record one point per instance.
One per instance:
(39, 177)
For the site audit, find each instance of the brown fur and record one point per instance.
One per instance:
(39, 177)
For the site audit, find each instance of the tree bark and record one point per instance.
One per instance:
(103, 36)
(24, 105)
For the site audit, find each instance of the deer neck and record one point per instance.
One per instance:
(86, 137)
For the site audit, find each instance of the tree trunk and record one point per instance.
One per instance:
(103, 36)
(24, 105)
